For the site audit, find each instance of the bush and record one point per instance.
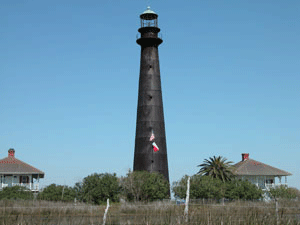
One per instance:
(200, 187)
(212, 188)
(79, 191)
(242, 189)
(284, 192)
(295, 192)
(97, 188)
(145, 186)
(55, 192)
(16, 192)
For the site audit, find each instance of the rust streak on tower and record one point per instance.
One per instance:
(150, 125)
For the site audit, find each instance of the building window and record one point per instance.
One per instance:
(269, 181)
(24, 179)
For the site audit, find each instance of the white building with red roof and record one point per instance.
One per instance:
(14, 172)
(258, 173)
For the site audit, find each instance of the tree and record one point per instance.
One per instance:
(97, 188)
(55, 192)
(216, 167)
(78, 188)
(16, 192)
(284, 192)
(242, 189)
(145, 186)
(200, 187)
(209, 188)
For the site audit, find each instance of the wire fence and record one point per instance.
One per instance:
(201, 211)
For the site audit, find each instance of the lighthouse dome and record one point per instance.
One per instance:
(148, 14)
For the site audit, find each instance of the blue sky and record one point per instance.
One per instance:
(69, 83)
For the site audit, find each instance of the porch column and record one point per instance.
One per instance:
(30, 182)
(38, 183)
(279, 180)
(286, 180)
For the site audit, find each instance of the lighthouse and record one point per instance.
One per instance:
(150, 151)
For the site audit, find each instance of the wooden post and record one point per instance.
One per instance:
(208, 218)
(186, 210)
(62, 194)
(276, 209)
(105, 213)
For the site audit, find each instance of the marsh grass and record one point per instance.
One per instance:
(200, 212)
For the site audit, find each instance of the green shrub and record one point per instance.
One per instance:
(284, 192)
(145, 186)
(55, 192)
(97, 188)
(16, 192)
(213, 188)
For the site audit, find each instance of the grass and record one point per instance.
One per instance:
(200, 212)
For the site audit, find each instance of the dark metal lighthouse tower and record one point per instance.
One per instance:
(150, 141)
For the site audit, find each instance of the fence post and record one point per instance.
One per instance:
(208, 218)
(276, 209)
(105, 213)
(186, 209)
(62, 193)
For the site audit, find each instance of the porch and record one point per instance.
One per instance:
(32, 187)
(269, 186)
(266, 182)
(30, 182)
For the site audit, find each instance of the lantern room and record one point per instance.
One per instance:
(148, 18)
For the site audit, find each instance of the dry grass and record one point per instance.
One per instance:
(200, 212)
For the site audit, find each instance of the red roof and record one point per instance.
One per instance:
(250, 167)
(12, 165)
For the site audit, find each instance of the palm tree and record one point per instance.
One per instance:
(216, 167)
